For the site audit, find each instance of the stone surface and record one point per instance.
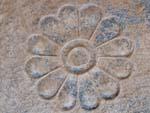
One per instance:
(74, 56)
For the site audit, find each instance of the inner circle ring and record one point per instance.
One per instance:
(78, 43)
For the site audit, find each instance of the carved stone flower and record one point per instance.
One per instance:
(79, 56)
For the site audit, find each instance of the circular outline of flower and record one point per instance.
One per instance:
(74, 29)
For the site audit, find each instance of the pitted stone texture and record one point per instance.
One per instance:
(62, 27)
(69, 18)
(89, 17)
(79, 38)
(49, 25)
(87, 93)
(106, 86)
(78, 43)
(50, 84)
(68, 94)
(107, 30)
(40, 45)
(117, 67)
(78, 56)
(39, 66)
(94, 86)
(19, 20)
(116, 48)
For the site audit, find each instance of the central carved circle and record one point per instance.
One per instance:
(78, 56)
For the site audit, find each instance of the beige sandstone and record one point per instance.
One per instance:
(74, 56)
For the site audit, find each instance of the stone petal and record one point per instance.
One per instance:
(116, 48)
(87, 93)
(50, 25)
(50, 84)
(89, 17)
(40, 45)
(39, 66)
(68, 16)
(117, 67)
(107, 87)
(107, 30)
(68, 94)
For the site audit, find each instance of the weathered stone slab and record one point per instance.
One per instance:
(74, 56)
